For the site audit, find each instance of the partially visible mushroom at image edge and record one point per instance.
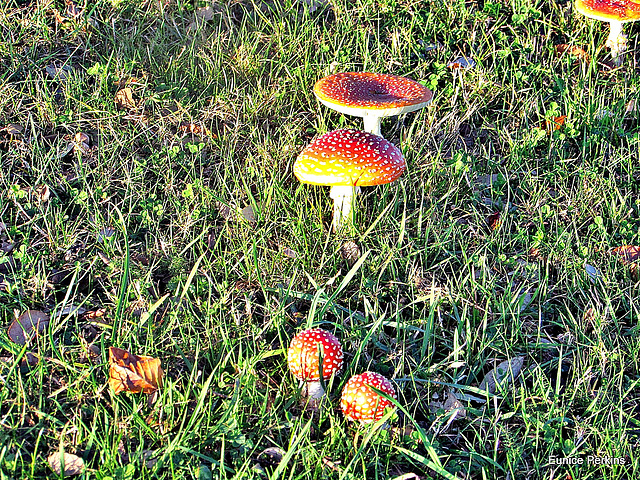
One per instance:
(360, 403)
(346, 160)
(303, 357)
(372, 96)
(617, 13)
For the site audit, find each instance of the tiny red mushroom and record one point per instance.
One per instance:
(346, 160)
(372, 96)
(304, 359)
(359, 402)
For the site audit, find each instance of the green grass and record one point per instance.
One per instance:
(141, 216)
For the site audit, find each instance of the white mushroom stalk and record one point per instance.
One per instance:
(617, 42)
(372, 123)
(344, 197)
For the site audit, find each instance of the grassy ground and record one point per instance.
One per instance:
(147, 214)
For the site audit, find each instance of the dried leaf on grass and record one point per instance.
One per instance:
(452, 404)
(350, 251)
(287, 252)
(502, 375)
(194, 129)
(14, 129)
(233, 213)
(66, 462)
(462, 63)
(44, 193)
(205, 13)
(95, 314)
(572, 50)
(555, 123)
(629, 255)
(589, 317)
(24, 328)
(73, 10)
(494, 221)
(124, 99)
(133, 373)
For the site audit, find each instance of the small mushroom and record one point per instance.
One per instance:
(616, 12)
(372, 96)
(346, 160)
(304, 360)
(360, 403)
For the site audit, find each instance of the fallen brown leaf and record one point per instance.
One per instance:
(24, 328)
(572, 50)
(628, 255)
(502, 375)
(462, 63)
(205, 14)
(124, 99)
(287, 252)
(72, 9)
(133, 373)
(350, 251)
(494, 221)
(73, 465)
(453, 404)
(194, 129)
(14, 129)
(93, 314)
(554, 123)
(44, 193)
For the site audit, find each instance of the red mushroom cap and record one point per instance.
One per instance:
(360, 403)
(371, 91)
(610, 10)
(304, 355)
(349, 158)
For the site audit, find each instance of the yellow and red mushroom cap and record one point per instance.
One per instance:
(304, 355)
(349, 158)
(359, 402)
(368, 91)
(610, 10)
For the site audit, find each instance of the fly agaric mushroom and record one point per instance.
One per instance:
(346, 160)
(616, 12)
(360, 403)
(304, 360)
(371, 96)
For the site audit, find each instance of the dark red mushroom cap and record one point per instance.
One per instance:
(610, 10)
(349, 158)
(304, 355)
(356, 93)
(360, 403)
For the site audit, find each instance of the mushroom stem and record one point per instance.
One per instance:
(343, 197)
(313, 390)
(312, 393)
(372, 124)
(617, 42)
